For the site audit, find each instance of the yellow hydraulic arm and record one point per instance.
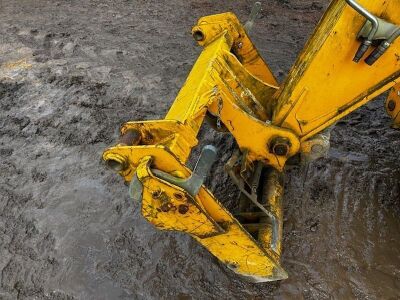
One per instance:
(324, 86)
(352, 57)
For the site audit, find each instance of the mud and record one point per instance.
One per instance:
(72, 71)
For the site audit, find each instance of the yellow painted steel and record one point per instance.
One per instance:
(208, 222)
(393, 105)
(324, 85)
(238, 93)
(245, 51)
(271, 123)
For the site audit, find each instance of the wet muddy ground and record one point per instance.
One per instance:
(72, 71)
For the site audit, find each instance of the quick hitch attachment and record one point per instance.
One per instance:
(232, 87)
(231, 83)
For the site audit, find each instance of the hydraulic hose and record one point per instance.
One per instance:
(375, 25)
(381, 49)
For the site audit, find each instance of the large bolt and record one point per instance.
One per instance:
(280, 146)
(391, 105)
(183, 209)
(131, 137)
(166, 207)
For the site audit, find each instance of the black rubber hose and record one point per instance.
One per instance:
(361, 50)
(381, 49)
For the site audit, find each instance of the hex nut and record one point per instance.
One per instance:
(183, 209)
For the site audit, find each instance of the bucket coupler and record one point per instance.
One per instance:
(223, 87)
(232, 87)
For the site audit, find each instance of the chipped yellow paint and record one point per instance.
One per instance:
(238, 90)
(169, 207)
(208, 222)
(231, 82)
(325, 84)
(213, 26)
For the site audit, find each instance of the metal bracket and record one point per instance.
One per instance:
(248, 26)
(135, 189)
(191, 185)
(252, 195)
(375, 30)
(194, 182)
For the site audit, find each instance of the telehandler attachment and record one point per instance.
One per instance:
(352, 57)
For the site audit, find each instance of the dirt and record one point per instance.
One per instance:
(72, 71)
